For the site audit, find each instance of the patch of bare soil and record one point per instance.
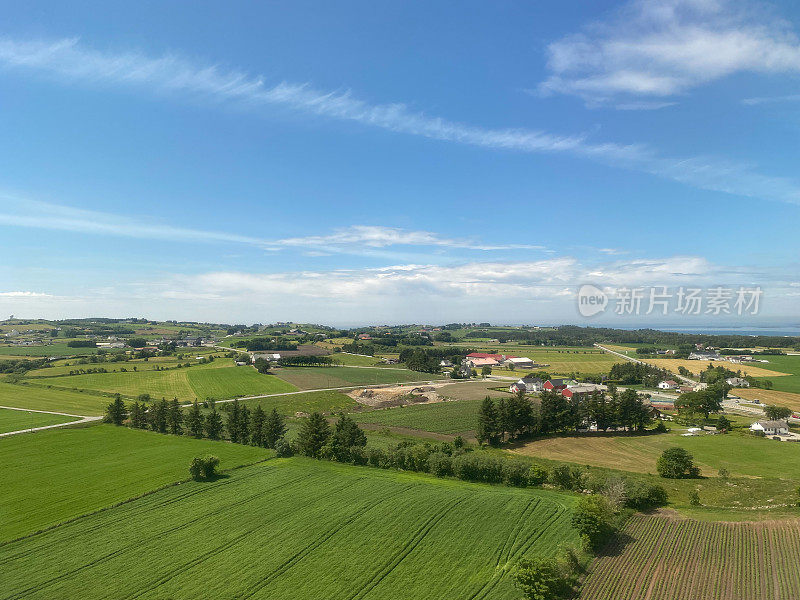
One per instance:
(397, 395)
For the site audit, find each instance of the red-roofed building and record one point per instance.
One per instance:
(497, 357)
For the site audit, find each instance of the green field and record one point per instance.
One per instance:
(42, 398)
(54, 349)
(308, 402)
(310, 378)
(54, 475)
(201, 382)
(783, 364)
(296, 528)
(14, 420)
(454, 418)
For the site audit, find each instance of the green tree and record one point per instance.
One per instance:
(723, 423)
(592, 518)
(116, 412)
(274, 429)
(194, 421)
(175, 417)
(676, 463)
(158, 416)
(244, 425)
(314, 434)
(257, 426)
(487, 432)
(138, 416)
(540, 579)
(213, 424)
(232, 422)
(486, 371)
(777, 413)
(346, 435)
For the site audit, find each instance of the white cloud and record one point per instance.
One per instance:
(24, 295)
(662, 48)
(771, 99)
(43, 215)
(67, 60)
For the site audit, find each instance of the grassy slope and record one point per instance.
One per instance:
(55, 475)
(296, 529)
(459, 417)
(40, 398)
(309, 378)
(14, 420)
(184, 384)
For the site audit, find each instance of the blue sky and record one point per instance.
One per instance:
(363, 162)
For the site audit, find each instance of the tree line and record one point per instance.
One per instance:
(517, 418)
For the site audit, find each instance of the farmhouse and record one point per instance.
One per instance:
(686, 388)
(669, 384)
(481, 362)
(264, 355)
(704, 356)
(526, 384)
(737, 382)
(771, 427)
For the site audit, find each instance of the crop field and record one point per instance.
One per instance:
(58, 474)
(788, 399)
(295, 528)
(662, 558)
(325, 401)
(310, 378)
(474, 390)
(41, 398)
(199, 382)
(458, 417)
(695, 366)
(15, 420)
(740, 453)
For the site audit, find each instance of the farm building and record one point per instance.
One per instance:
(265, 355)
(669, 384)
(555, 385)
(582, 389)
(519, 362)
(737, 382)
(475, 363)
(771, 427)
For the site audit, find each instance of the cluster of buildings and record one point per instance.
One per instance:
(478, 360)
(567, 387)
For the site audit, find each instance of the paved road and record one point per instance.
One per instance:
(641, 362)
(81, 419)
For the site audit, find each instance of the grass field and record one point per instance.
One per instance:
(296, 528)
(661, 558)
(787, 364)
(42, 398)
(199, 382)
(740, 453)
(14, 420)
(59, 474)
(309, 378)
(695, 366)
(54, 349)
(325, 402)
(455, 418)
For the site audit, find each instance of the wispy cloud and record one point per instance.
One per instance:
(662, 48)
(354, 239)
(71, 62)
(771, 99)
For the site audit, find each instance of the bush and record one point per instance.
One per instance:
(515, 473)
(537, 475)
(694, 498)
(440, 464)
(283, 449)
(203, 467)
(377, 458)
(592, 518)
(676, 463)
(660, 427)
(540, 579)
(642, 496)
(566, 477)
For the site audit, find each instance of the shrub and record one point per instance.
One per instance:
(592, 518)
(660, 427)
(377, 458)
(440, 464)
(566, 477)
(540, 579)
(515, 473)
(203, 467)
(537, 475)
(283, 449)
(642, 496)
(676, 463)
(694, 498)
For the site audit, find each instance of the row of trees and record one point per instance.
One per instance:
(517, 418)
(631, 373)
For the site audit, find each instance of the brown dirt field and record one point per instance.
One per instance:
(695, 366)
(787, 399)
(658, 557)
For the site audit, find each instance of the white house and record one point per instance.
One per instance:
(266, 356)
(669, 384)
(771, 427)
(737, 382)
(528, 384)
